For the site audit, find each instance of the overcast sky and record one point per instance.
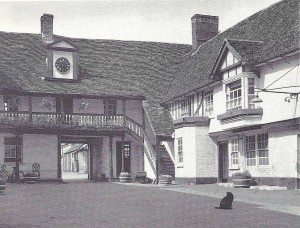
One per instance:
(151, 20)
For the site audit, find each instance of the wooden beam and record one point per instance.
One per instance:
(122, 151)
(59, 156)
(111, 169)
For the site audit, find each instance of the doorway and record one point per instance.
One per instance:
(223, 162)
(127, 155)
(75, 161)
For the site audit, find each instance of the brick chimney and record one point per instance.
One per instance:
(47, 28)
(204, 27)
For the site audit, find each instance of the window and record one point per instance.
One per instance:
(250, 150)
(126, 150)
(180, 150)
(234, 95)
(262, 146)
(256, 147)
(12, 146)
(184, 108)
(234, 150)
(11, 103)
(110, 107)
(208, 96)
(251, 93)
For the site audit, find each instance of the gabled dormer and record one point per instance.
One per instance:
(235, 57)
(235, 68)
(62, 61)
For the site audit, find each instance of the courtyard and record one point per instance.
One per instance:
(96, 204)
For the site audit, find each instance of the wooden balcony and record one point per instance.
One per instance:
(74, 120)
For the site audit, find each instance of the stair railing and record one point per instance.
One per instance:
(150, 153)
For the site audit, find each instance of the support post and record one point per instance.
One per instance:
(122, 151)
(144, 128)
(59, 156)
(111, 170)
(18, 155)
(157, 159)
(124, 112)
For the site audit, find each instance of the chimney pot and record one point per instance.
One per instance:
(204, 27)
(47, 28)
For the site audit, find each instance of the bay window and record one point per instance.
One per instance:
(234, 95)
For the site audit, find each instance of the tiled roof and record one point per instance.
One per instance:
(247, 49)
(276, 26)
(107, 68)
(75, 147)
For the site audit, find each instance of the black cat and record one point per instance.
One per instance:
(226, 202)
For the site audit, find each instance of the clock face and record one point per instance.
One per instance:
(62, 65)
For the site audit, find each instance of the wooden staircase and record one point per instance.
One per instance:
(166, 163)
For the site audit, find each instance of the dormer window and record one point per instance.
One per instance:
(62, 61)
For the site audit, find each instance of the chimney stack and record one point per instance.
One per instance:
(47, 28)
(204, 27)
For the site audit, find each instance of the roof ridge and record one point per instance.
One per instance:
(237, 24)
(253, 41)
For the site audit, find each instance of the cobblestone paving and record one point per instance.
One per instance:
(92, 204)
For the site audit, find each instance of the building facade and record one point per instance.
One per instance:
(59, 90)
(234, 102)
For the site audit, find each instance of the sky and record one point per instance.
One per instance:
(144, 20)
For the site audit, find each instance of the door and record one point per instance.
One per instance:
(127, 155)
(223, 162)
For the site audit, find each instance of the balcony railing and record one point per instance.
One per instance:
(54, 119)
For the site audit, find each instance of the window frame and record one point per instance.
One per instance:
(260, 146)
(209, 103)
(180, 150)
(234, 152)
(234, 95)
(110, 107)
(17, 144)
(11, 103)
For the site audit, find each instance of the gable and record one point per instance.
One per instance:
(62, 45)
(228, 57)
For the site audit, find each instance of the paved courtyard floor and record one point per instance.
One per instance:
(94, 204)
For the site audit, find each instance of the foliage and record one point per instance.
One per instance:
(244, 173)
(125, 174)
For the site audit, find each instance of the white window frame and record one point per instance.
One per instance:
(184, 105)
(209, 103)
(263, 147)
(261, 141)
(250, 149)
(180, 150)
(10, 149)
(234, 152)
(234, 96)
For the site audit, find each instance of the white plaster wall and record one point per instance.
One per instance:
(40, 149)
(95, 106)
(219, 97)
(36, 104)
(282, 156)
(206, 154)
(274, 105)
(148, 168)
(188, 169)
(275, 108)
